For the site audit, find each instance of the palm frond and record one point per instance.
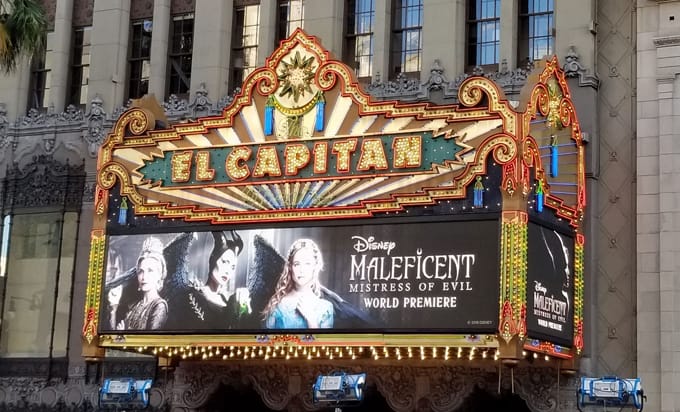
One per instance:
(26, 25)
(5, 40)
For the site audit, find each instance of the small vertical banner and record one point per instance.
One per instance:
(320, 112)
(553, 156)
(478, 192)
(122, 211)
(269, 116)
(539, 196)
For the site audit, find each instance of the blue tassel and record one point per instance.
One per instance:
(478, 192)
(320, 109)
(539, 196)
(122, 211)
(554, 165)
(269, 117)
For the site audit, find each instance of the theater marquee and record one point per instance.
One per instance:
(377, 277)
(309, 213)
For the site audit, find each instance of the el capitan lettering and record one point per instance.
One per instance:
(350, 157)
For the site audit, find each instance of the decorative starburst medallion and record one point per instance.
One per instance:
(297, 75)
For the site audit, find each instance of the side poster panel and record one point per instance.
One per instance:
(436, 276)
(550, 289)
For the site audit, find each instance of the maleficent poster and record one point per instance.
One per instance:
(426, 277)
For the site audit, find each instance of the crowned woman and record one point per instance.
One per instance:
(150, 311)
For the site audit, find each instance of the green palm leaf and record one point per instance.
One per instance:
(24, 24)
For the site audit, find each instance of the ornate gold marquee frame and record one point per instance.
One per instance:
(281, 104)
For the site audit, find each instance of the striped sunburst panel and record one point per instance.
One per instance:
(302, 140)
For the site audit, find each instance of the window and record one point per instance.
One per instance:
(244, 46)
(80, 66)
(291, 15)
(407, 42)
(358, 51)
(536, 27)
(39, 262)
(179, 62)
(41, 80)
(483, 32)
(140, 59)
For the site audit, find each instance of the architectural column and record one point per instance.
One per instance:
(649, 279)
(14, 90)
(159, 48)
(324, 19)
(667, 170)
(108, 67)
(381, 45)
(570, 29)
(267, 33)
(669, 234)
(509, 30)
(61, 53)
(658, 214)
(212, 47)
(653, 100)
(443, 42)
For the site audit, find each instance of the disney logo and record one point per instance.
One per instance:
(538, 287)
(363, 245)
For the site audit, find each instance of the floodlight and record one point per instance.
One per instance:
(124, 393)
(610, 390)
(339, 389)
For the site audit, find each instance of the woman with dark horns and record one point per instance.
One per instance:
(212, 305)
(297, 301)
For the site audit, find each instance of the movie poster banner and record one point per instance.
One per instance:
(408, 277)
(550, 289)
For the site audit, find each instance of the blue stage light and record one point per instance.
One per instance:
(124, 393)
(339, 389)
(610, 390)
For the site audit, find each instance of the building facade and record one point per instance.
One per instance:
(193, 56)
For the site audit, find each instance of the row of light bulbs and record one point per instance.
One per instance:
(323, 352)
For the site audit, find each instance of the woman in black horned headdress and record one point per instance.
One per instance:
(213, 305)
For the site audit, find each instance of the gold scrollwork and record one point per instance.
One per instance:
(566, 112)
(113, 171)
(138, 121)
(530, 152)
(265, 82)
(110, 173)
(504, 148)
(328, 74)
(539, 102)
(470, 92)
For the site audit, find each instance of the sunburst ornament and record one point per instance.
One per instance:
(296, 76)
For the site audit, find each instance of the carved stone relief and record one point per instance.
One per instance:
(141, 9)
(439, 388)
(435, 387)
(44, 182)
(573, 68)
(402, 87)
(50, 7)
(512, 81)
(182, 6)
(95, 126)
(82, 12)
